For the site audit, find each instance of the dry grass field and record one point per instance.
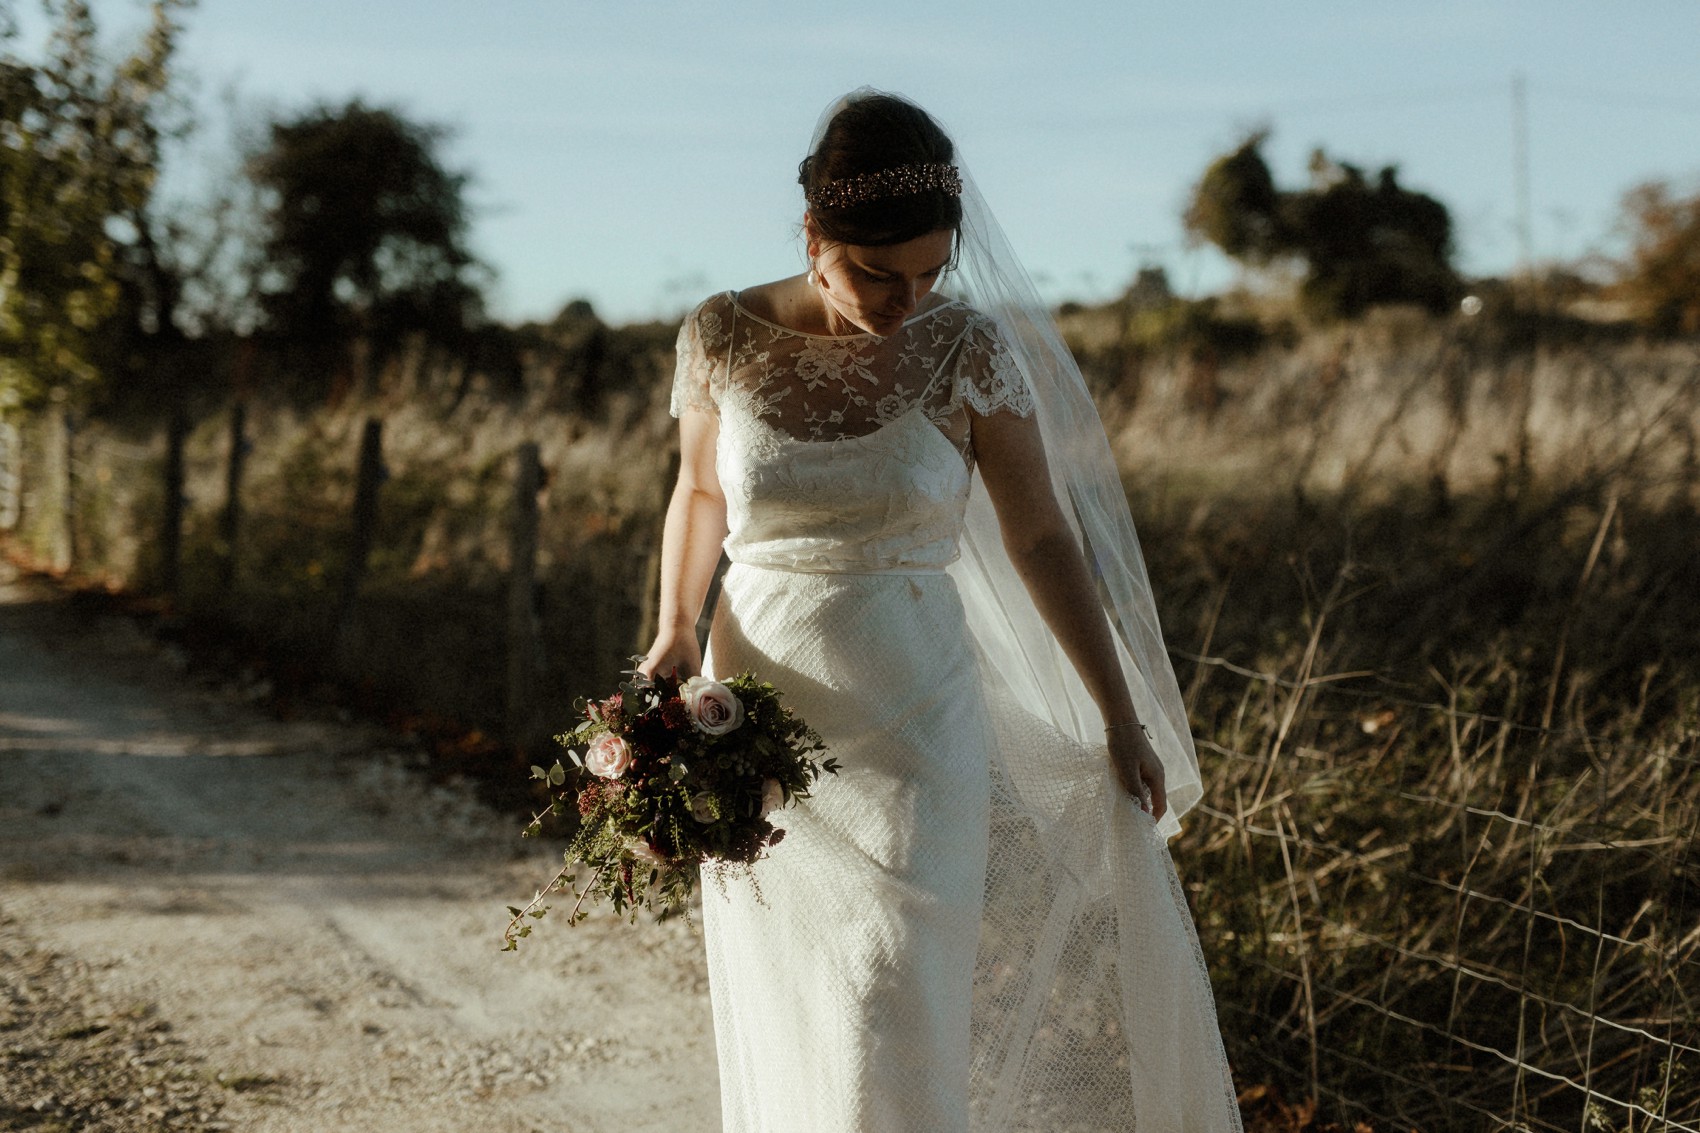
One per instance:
(1431, 590)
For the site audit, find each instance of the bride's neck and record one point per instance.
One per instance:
(796, 305)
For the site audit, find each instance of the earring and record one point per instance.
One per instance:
(813, 277)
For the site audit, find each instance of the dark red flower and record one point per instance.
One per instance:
(589, 798)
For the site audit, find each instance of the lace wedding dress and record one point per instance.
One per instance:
(969, 927)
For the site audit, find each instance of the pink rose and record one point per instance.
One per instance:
(772, 796)
(609, 756)
(712, 706)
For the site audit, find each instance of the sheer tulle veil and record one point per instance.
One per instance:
(847, 998)
(1021, 657)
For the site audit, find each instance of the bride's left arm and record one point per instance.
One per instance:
(1045, 553)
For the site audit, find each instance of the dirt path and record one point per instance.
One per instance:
(272, 926)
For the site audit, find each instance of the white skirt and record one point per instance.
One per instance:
(969, 927)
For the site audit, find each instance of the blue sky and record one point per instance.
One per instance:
(641, 152)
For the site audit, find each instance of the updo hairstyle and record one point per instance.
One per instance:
(867, 135)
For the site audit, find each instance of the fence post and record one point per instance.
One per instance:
(171, 536)
(11, 475)
(55, 494)
(525, 646)
(230, 523)
(370, 478)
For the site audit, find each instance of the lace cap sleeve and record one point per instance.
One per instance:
(703, 338)
(988, 378)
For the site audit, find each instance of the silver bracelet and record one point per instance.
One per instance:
(1129, 724)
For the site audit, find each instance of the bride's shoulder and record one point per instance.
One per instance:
(716, 306)
(962, 318)
(782, 302)
(775, 303)
(707, 326)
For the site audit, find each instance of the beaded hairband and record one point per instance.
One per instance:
(897, 181)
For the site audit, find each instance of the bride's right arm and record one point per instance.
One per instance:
(690, 547)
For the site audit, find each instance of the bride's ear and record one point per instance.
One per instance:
(811, 236)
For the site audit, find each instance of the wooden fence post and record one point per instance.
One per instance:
(525, 645)
(11, 475)
(230, 523)
(55, 493)
(370, 479)
(171, 534)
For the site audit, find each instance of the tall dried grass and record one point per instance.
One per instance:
(1430, 586)
(1434, 603)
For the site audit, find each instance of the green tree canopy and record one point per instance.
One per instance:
(1236, 206)
(80, 145)
(1363, 241)
(365, 229)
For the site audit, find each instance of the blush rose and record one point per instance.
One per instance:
(609, 756)
(713, 708)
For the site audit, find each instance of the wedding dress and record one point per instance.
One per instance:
(970, 927)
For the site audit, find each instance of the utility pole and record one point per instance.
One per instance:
(1520, 173)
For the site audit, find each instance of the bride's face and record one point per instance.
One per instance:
(877, 289)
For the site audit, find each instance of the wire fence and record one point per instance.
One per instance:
(432, 558)
(1437, 918)
(1471, 910)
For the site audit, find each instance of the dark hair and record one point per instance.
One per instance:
(869, 134)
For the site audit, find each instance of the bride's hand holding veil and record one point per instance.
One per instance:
(1046, 555)
(1138, 769)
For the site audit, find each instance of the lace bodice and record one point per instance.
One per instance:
(845, 453)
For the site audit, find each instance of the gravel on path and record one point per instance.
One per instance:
(213, 919)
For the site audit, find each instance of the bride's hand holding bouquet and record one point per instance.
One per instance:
(676, 654)
(672, 774)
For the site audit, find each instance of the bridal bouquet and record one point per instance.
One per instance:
(672, 775)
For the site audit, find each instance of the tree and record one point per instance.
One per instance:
(80, 144)
(1661, 275)
(1363, 242)
(365, 230)
(1236, 206)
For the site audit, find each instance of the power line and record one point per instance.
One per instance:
(1520, 170)
(1628, 100)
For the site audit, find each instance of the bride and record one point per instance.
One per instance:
(975, 925)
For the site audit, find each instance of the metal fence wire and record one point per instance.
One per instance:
(1424, 914)
(1433, 918)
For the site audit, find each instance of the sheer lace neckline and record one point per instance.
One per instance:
(945, 363)
(736, 299)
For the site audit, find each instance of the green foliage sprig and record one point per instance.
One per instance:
(674, 775)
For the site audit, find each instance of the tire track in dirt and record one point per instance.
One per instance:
(315, 928)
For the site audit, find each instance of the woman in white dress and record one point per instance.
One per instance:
(975, 925)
